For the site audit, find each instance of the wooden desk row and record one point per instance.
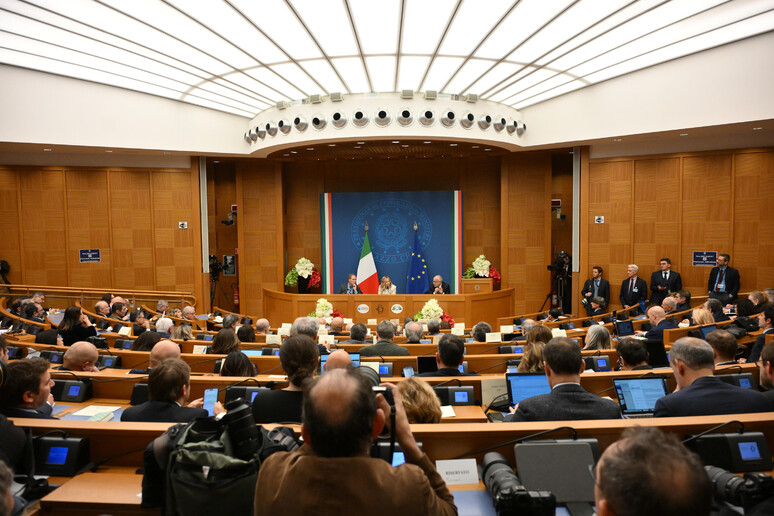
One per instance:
(116, 384)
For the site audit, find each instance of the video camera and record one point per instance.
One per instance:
(558, 266)
(215, 266)
(509, 496)
(745, 492)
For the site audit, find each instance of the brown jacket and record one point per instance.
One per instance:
(303, 483)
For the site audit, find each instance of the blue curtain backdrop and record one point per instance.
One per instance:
(390, 217)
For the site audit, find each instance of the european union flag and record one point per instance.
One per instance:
(418, 279)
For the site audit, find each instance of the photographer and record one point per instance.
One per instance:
(341, 417)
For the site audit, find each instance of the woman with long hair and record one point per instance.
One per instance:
(75, 326)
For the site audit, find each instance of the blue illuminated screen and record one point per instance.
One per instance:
(58, 454)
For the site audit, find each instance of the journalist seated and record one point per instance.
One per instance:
(449, 357)
(567, 399)
(340, 419)
(648, 472)
(27, 390)
(168, 389)
(701, 393)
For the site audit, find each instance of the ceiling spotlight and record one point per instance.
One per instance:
(499, 125)
(757, 128)
(248, 139)
(683, 134)
(448, 118)
(510, 126)
(338, 120)
(427, 119)
(484, 121)
(284, 126)
(467, 120)
(405, 118)
(520, 127)
(300, 123)
(359, 118)
(318, 122)
(382, 118)
(270, 128)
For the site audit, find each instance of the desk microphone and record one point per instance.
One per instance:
(272, 369)
(240, 382)
(459, 383)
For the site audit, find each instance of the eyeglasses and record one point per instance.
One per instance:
(593, 472)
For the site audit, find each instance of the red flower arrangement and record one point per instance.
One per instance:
(494, 274)
(446, 317)
(315, 280)
(336, 313)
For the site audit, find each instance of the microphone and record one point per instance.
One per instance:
(270, 370)
(735, 366)
(459, 383)
(240, 382)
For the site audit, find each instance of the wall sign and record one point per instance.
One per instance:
(705, 258)
(90, 255)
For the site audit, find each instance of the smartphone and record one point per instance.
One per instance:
(210, 397)
(408, 371)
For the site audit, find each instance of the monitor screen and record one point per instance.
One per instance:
(460, 396)
(109, 361)
(461, 368)
(355, 358)
(74, 390)
(745, 383)
(624, 328)
(253, 395)
(525, 385)
(749, 451)
(639, 395)
(706, 330)
(518, 349)
(602, 362)
(58, 454)
(398, 458)
(383, 369)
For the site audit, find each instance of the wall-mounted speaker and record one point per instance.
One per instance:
(510, 126)
(499, 124)
(427, 118)
(338, 120)
(520, 127)
(359, 118)
(467, 120)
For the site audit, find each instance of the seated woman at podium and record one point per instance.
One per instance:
(386, 287)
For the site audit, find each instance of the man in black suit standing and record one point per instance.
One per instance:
(439, 286)
(596, 286)
(664, 281)
(567, 399)
(724, 282)
(701, 393)
(169, 385)
(350, 287)
(633, 288)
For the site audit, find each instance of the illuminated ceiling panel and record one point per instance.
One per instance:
(242, 56)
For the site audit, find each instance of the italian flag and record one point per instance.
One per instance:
(367, 279)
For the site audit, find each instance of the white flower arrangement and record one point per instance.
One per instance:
(432, 310)
(324, 308)
(481, 266)
(304, 267)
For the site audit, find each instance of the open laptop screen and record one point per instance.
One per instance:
(525, 385)
(706, 330)
(624, 328)
(639, 395)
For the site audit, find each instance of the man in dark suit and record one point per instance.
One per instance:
(659, 323)
(765, 323)
(567, 399)
(357, 334)
(413, 331)
(724, 281)
(27, 390)
(439, 286)
(384, 347)
(350, 287)
(633, 288)
(664, 281)
(168, 389)
(632, 355)
(716, 307)
(701, 393)
(683, 298)
(724, 347)
(766, 366)
(450, 354)
(596, 286)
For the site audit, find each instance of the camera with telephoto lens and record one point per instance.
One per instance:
(242, 432)
(509, 496)
(215, 266)
(745, 492)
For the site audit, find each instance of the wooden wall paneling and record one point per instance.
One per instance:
(88, 226)
(10, 224)
(526, 228)
(221, 182)
(260, 230)
(480, 185)
(132, 229)
(302, 185)
(175, 197)
(753, 231)
(44, 242)
(656, 196)
(706, 214)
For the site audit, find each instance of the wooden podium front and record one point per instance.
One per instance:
(477, 285)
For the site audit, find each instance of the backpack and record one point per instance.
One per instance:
(194, 468)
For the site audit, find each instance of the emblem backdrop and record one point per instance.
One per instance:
(391, 217)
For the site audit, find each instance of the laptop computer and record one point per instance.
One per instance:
(624, 328)
(706, 330)
(638, 396)
(525, 385)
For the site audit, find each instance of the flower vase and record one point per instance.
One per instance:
(303, 285)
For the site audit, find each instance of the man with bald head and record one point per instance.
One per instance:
(339, 359)
(701, 393)
(669, 304)
(413, 332)
(262, 326)
(659, 323)
(439, 286)
(337, 325)
(341, 417)
(162, 350)
(81, 356)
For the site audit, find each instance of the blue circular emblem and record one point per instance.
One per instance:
(391, 228)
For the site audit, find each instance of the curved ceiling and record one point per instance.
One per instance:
(243, 56)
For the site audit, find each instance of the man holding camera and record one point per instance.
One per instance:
(341, 418)
(596, 286)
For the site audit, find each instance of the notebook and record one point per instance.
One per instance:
(638, 396)
(525, 385)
